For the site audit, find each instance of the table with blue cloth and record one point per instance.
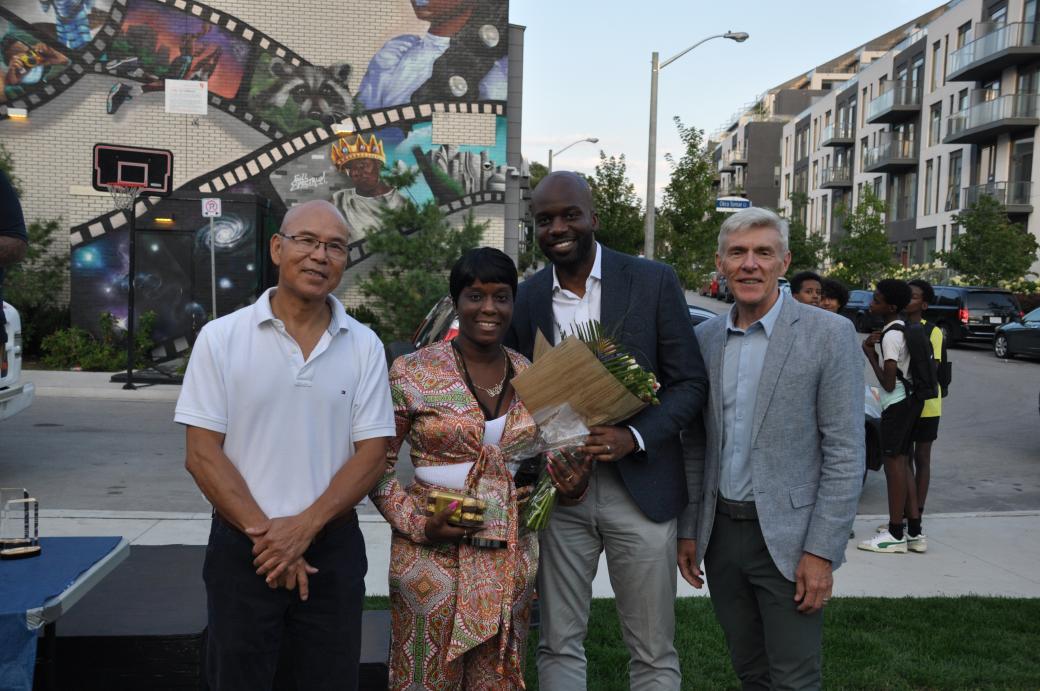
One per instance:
(34, 592)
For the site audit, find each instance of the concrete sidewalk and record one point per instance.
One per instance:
(969, 554)
(96, 385)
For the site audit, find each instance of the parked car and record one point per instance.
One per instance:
(1020, 337)
(858, 310)
(970, 313)
(723, 292)
(442, 324)
(699, 314)
(15, 395)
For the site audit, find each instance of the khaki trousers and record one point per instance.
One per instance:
(641, 562)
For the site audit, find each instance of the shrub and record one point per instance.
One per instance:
(75, 348)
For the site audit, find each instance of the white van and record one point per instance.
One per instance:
(15, 395)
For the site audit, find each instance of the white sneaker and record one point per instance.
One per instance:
(885, 543)
(917, 544)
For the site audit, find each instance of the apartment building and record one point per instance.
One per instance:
(944, 116)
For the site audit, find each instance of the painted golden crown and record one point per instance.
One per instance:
(344, 150)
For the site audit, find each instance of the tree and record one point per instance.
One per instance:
(35, 284)
(7, 166)
(807, 249)
(990, 248)
(688, 225)
(617, 205)
(416, 245)
(863, 254)
(538, 171)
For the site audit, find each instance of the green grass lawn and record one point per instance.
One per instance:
(869, 643)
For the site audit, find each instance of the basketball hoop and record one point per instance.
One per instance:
(124, 194)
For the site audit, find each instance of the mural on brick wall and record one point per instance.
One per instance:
(27, 62)
(334, 131)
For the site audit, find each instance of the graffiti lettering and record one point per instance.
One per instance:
(302, 181)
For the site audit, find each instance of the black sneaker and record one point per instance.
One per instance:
(117, 96)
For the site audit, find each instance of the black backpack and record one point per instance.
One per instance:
(922, 381)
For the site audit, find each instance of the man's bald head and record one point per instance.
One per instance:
(314, 215)
(566, 183)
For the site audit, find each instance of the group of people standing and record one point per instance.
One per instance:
(752, 464)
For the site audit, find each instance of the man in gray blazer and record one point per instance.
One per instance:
(773, 491)
(637, 487)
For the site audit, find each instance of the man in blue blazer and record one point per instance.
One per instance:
(637, 488)
(774, 490)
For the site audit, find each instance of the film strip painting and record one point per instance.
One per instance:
(79, 61)
(101, 57)
(258, 165)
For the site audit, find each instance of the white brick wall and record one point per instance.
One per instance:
(464, 128)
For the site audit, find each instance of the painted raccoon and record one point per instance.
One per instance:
(320, 93)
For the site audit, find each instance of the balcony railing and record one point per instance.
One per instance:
(837, 134)
(891, 155)
(898, 99)
(1013, 196)
(737, 157)
(988, 119)
(996, 47)
(837, 176)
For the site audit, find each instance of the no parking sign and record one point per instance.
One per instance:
(211, 207)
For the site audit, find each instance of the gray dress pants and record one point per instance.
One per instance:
(641, 562)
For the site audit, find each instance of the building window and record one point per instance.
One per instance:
(929, 250)
(928, 173)
(935, 124)
(937, 65)
(864, 146)
(953, 190)
(962, 34)
(938, 174)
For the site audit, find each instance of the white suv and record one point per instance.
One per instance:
(15, 395)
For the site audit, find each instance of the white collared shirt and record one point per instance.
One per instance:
(289, 424)
(569, 309)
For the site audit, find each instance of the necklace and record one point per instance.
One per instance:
(493, 391)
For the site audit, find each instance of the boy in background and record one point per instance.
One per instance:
(899, 414)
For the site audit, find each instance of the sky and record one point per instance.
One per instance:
(587, 67)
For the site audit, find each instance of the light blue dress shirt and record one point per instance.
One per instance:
(744, 353)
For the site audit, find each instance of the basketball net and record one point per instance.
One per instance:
(124, 195)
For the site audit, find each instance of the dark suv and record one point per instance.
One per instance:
(858, 310)
(971, 314)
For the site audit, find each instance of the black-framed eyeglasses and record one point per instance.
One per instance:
(307, 244)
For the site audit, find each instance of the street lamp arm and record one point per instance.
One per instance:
(675, 57)
(590, 140)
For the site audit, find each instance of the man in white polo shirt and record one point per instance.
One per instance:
(287, 408)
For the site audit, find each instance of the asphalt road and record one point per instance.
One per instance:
(76, 453)
(987, 457)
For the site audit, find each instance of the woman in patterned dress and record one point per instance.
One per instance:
(460, 599)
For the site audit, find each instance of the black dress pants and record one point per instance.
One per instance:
(771, 644)
(249, 622)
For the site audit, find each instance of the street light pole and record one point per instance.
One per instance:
(651, 192)
(651, 171)
(590, 140)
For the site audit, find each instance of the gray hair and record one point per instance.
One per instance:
(753, 217)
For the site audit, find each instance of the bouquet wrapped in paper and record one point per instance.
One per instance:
(586, 380)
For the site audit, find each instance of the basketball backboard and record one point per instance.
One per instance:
(117, 165)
